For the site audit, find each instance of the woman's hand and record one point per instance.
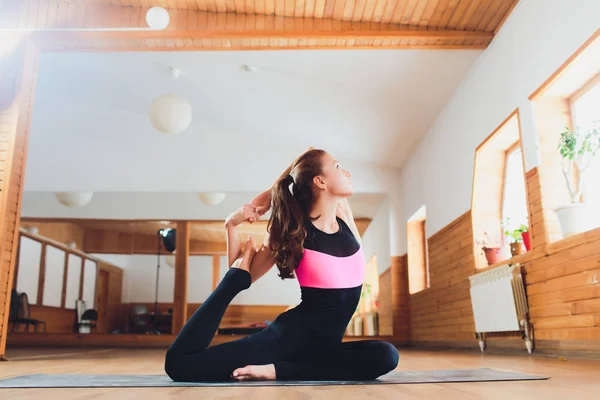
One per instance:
(247, 213)
(262, 202)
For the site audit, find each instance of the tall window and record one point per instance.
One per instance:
(418, 269)
(499, 190)
(585, 109)
(514, 198)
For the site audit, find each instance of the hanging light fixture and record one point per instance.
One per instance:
(170, 113)
(74, 199)
(157, 18)
(211, 199)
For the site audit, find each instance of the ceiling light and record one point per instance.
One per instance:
(157, 18)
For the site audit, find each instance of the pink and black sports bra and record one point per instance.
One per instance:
(331, 274)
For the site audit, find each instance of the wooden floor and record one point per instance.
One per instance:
(571, 379)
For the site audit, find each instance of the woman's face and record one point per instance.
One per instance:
(337, 181)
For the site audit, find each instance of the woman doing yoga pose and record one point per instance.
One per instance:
(312, 237)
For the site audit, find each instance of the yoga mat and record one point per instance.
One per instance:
(80, 380)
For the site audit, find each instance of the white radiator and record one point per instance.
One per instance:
(499, 303)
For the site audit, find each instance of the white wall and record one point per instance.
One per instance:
(535, 40)
(139, 282)
(29, 268)
(166, 205)
(376, 239)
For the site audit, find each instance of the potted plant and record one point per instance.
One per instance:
(515, 237)
(516, 243)
(492, 250)
(577, 149)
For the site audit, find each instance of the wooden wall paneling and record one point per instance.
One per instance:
(99, 241)
(63, 232)
(58, 320)
(115, 285)
(17, 87)
(400, 297)
(102, 293)
(385, 312)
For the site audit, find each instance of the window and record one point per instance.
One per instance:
(568, 98)
(585, 109)
(499, 191)
(514, 197)
(418, 265)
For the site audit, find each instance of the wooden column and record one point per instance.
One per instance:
(41, 276)
(18, 72)
(400, 297)
(63, 296)
(181, 276)
(216, 271)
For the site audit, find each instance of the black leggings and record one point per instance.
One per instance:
(295, 352)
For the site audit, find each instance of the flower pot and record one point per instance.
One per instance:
(576, 218)
(492, 255)
(516, 248)
(526, 240)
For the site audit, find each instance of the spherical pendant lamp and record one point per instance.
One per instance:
(74, 199)
(211, 199)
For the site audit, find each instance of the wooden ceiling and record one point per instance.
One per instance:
(262, 24)
(472, 15)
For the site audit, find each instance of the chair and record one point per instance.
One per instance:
(20, 313)
(90, 319)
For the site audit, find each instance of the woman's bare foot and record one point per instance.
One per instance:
(255, 373)
(246, 259)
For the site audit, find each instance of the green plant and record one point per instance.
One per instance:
(516, 235)
(577, 148)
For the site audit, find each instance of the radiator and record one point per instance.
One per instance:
(499, 303)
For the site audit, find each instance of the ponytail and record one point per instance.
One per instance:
(286, 228)
(290, 210)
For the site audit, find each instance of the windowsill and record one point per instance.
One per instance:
(521, 258)
(548, 250)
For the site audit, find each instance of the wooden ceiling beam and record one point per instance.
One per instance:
(85, 26)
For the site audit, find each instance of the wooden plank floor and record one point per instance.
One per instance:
(571, 379)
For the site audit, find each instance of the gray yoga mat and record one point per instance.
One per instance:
(68, 380)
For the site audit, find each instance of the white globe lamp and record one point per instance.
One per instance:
(211, 199)
(170, 113)
(74, 199)
(157, 18)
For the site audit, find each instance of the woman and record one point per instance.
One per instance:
(313, 237)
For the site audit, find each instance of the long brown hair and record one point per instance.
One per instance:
(290, 209)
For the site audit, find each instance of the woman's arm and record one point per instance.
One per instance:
(246, 213)
(344, 212)
(263, 261)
